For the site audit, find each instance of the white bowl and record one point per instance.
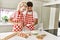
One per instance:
(34, 32)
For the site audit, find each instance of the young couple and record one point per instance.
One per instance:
(24, 18)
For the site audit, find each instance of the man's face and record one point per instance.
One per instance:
(29, 8)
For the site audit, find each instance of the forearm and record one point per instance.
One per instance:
(33, 23)
(11, 20)
(36, 21)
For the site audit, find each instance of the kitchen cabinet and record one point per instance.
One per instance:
(54, 14)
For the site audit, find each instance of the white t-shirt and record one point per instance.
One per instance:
(34, 14)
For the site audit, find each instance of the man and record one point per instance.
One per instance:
(30, 10)
(31, 18)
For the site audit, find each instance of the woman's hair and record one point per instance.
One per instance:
(23, 3)
(29, 4)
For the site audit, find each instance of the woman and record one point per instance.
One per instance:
(24, 18)
(17, 18)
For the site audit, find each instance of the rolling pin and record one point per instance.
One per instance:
(9, 36)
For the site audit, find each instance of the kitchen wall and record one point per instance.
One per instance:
(45, 15)
(9, 3)
(59, 16)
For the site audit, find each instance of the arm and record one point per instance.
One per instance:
(35, 17)
(36, 21)
(12, 17)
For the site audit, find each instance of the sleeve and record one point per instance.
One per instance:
(13, 15)
(35, 14)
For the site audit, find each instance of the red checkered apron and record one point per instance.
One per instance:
(18, 19)
(29, 20)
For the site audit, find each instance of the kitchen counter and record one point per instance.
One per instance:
(5, 27)
(55, 32)
(5, 23)
(47, 37)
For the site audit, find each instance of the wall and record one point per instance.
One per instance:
(9, 3)
(59, 16)
(43, 13)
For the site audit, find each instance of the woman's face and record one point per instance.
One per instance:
(23, 8)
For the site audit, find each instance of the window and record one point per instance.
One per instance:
(5, 12)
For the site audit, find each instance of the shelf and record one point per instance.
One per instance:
(1, 23)
(52, 4)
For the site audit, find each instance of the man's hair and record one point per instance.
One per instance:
(29, 4)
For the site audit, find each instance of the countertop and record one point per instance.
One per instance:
(47, 37)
